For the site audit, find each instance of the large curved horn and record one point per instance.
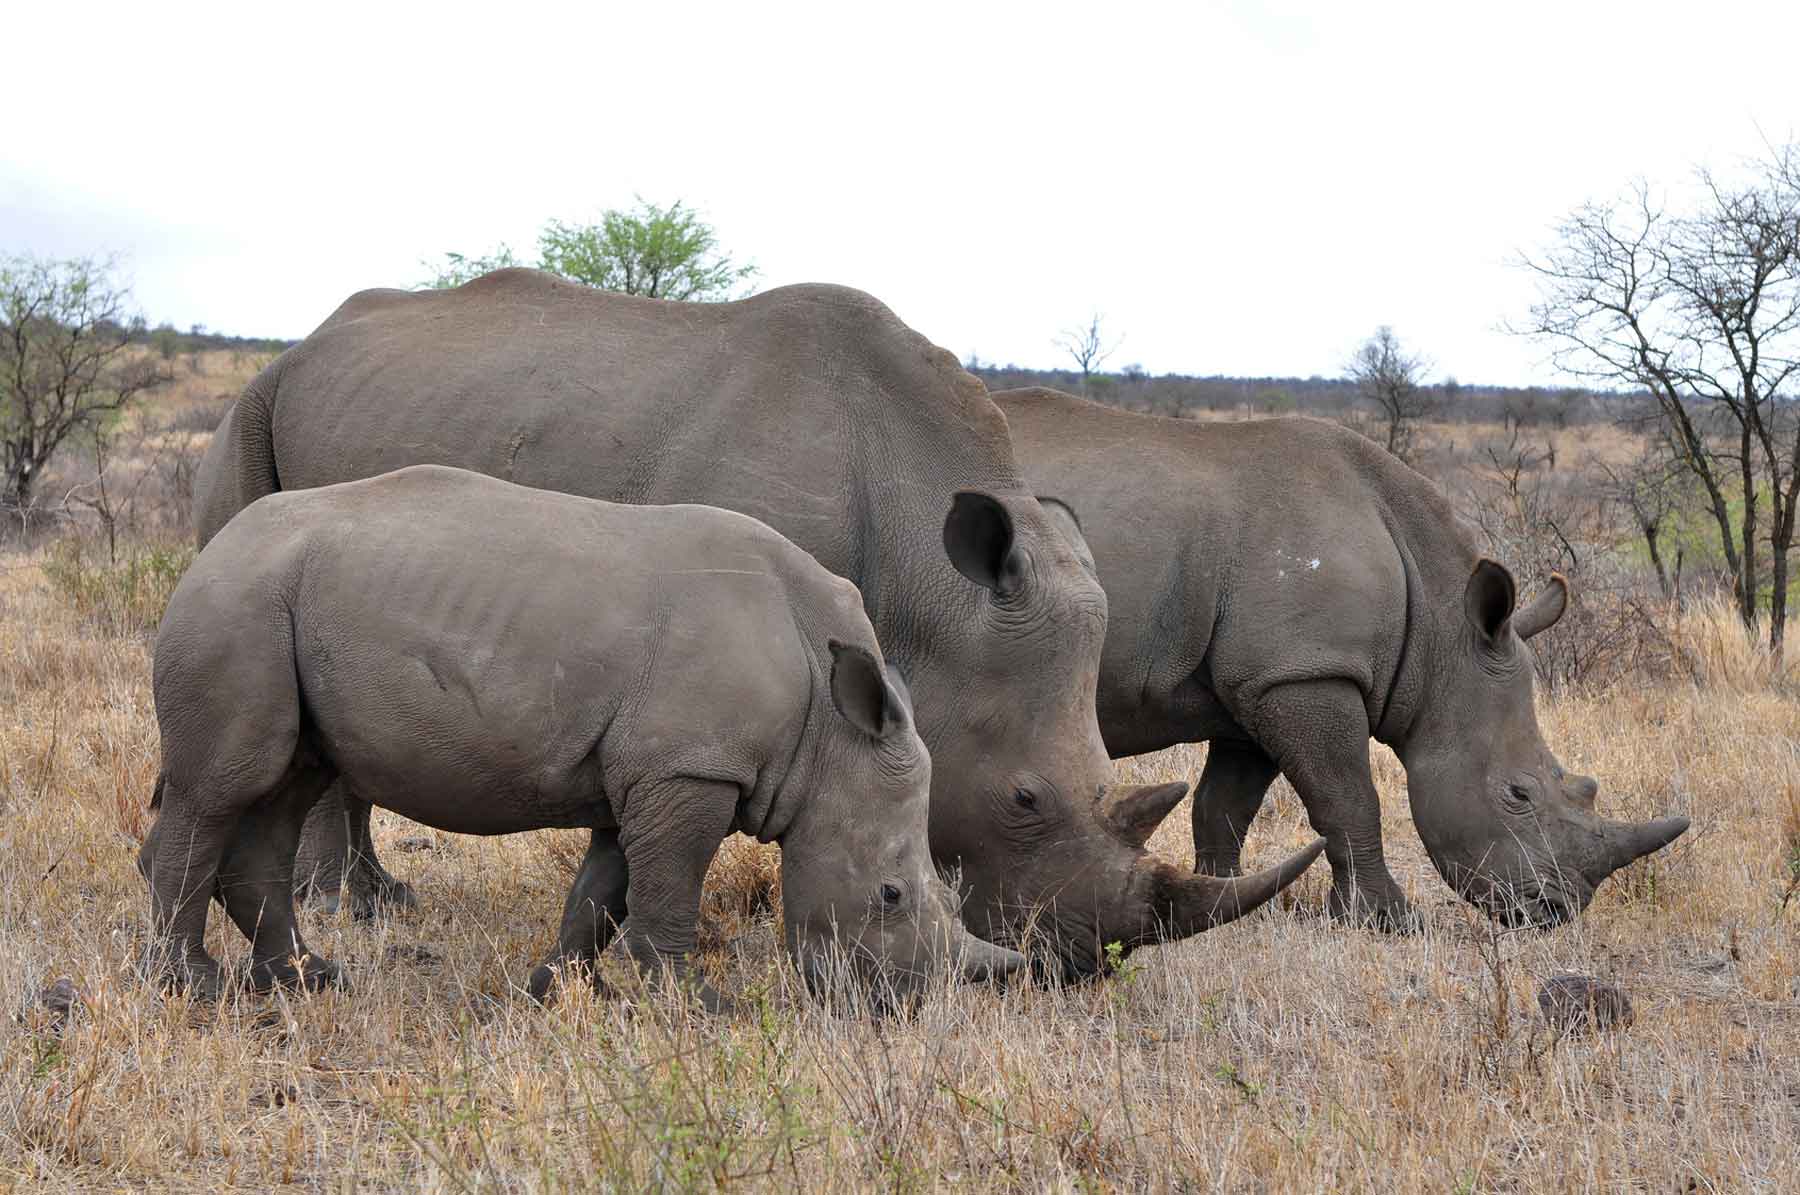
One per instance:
(1627, 842)
(1136, 812)
(1542, 614)
(1185, 904)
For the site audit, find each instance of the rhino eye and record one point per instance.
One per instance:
(1519, 794)
(1024, 798)
(890, 895)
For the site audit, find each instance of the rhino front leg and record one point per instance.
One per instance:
(337, 849)
(671, 831)
(592, 914)
(1231, 791)
(1318, 734)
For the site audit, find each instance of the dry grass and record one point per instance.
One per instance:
(1276, 1054)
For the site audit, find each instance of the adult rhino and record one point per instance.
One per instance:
(814, 409)
(489, 658)
(1284, 590)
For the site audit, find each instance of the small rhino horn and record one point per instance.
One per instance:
(1135, 813)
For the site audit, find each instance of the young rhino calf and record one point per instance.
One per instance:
(487, 658)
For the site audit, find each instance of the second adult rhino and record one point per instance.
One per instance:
(814, 409)
(1285, 590)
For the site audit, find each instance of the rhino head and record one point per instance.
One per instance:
(1048, 857)
(861, 900)
(1506, 826)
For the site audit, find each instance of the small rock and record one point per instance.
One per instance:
(276, 1097)
(422, 955)
(51, 1011)
(1580, 1003)
(416, 842)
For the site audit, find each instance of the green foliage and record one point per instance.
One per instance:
(166, 341)
(125, 598)
(457, 269)
(657, 252)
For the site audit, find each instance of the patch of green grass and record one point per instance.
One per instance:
(124, 597)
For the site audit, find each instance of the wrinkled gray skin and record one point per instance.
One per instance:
(486, 658)
(1285, 590)
(817, 411)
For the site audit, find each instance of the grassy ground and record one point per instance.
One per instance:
(1278, 1053)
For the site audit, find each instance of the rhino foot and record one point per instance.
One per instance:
(368, 902)
(543, 982)
(1389, 912)
(200, 978)
(384, 896)
(309, 973)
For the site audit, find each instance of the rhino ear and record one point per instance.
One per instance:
(1062, 517)
(1543, 613)
(1489, 598)
(860, 692)
(978, 537)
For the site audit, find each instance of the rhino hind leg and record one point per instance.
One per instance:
(670, 831)
(256, 885)
(1230, 793)
(180, 859)
(337, 851)
(1318, 735)
(592, 914)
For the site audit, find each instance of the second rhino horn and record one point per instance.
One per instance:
(1135, 812)
(1184, 905)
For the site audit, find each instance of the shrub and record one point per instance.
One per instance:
(126, 597)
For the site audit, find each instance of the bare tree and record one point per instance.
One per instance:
(1703, 311)
(1088, 347)
(66, 362)
(1387, 376)
(1652, 488)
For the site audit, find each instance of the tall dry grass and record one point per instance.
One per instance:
(1280, 1053)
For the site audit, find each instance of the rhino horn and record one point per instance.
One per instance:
(1543, 613)
(1186, 904)
(984, 962)
(1135, 813)
(1627, 842)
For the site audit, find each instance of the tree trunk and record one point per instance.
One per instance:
(1747, 575)
(1662, 573)
(1778, 601)
(15, 494)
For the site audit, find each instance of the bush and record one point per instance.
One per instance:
(126, 598)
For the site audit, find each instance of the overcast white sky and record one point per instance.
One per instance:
(1240, 188)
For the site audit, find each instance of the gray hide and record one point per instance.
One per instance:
(816, 410)
(487, 658)
(1285, 590)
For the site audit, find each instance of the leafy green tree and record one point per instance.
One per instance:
(457, 269)
(66, 361)
(656, 252)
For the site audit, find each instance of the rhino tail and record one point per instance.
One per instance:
(253, 435)
(157, 792)
(239, 465)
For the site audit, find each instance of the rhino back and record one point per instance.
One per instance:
(487, 658)
(1239, 556)
(812, 408)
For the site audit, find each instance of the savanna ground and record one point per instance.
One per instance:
(1278, 1053)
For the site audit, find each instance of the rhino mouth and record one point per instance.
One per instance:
(1541, 904)
(1050, 968)
(853, 980)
